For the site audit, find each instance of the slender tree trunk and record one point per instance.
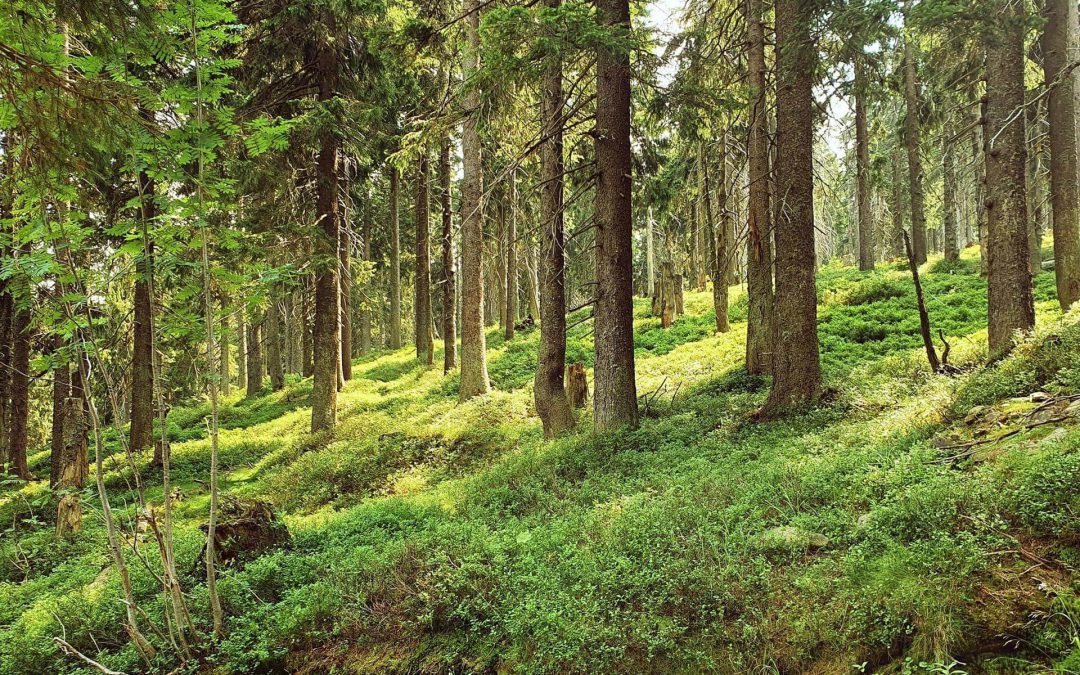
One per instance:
(796, 368)
(449, 296)
(326, 360)
(20, 390)
(142, 350)
(897, 201)
(549, 390)
(615, 389)
(61, 391)
(948, 199)
(6, 335)
(1059, 45)
(500, 260)
(274, 362)
(425, 343)
(722, 246)
(474, 375)
(650, 254)
(1010, 303)
(346, 286)
(254, 356)
(242, 352)
(911, 140)
(223, 354)
(532, 267)
(759, 277)
(510, 317)
(862, 170)
(394, 332)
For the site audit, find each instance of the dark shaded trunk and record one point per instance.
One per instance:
(449, 298)
(254, 356)
(474, 375)
(223, 354)
(6, 312)
(346, 284)
(924, 317)
(1009, 295)
(862, 170)
(18, 416)
(796, 367)
(759, 277)
(394, 328)
(549, 390)
(61, 391)
(142, 345)
(897, 237)
(722, 246)
(1059, 40)
(425, 342)
(326, 361)
(274, 363)
(364, 317)
(948, 200)
(242, 352)
(510, 315)
(615, 389)
(912, 134)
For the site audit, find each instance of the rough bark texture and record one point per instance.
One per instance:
(759, 278)
(615, 390)
(394, 328)
(242, 352)
(325, 339)
(274, 362)
(142, 345)
(474, 375)
(449, 297)
(549, 390)
(61, 390)
(510, 316)
(6, 311)
(722, 246)
(254, 369)
(1059, 44)
(223, 354)
(912, 134)
(425, 342)
(1009, 295)
(796, 368)
(345, 283)
(862, 170)
(948, 199)
(20, 390)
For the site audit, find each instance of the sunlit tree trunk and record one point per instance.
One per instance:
(862, 170)
(759, 277)
(254, 368)
(345, 282)
(425, 343)
(912, 135)
(142, 354)
(394, 328)
(511, 293)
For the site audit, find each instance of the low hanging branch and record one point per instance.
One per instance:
(924, 318)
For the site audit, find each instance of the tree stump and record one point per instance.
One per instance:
(577, 386)
(667, 299)
(245, 530)
(71, 473)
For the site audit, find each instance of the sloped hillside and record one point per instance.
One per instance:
(914, 523)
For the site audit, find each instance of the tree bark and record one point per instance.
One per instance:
(449, 297)
(425, 342)
(61, 390)
(326, 360)
(549, 389)
(615, 389)
(759, 277)
(223, 354)
(912, 141)
(20, 390)
(1009, 294)
(364, 313)
(474, 375)
(796, 368)
(142, 346)
(1059, 41)
(345, 286)
(511, 294)
(722, 246)
(274, 362)
(948, 199)
(242, 352)
(6, 335)
(862, 170)
(394, 332)
(254, 366)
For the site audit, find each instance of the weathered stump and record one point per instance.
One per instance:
(577, 386)
(72, 469)
(246, 529)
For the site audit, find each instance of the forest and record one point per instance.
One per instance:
(539, 336)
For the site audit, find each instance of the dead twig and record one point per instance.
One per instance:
(71, 651)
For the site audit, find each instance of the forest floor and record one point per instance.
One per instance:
(868, 535)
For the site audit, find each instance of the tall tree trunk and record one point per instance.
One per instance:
(722, 245)
(364, 313)
(549, 389)
(346, 286)
(911, 140)
(449, 296)
(500, 259)
(142, 350)
(615, 389)
(20, 390)
(948, 199)
(254, 365)
(474, 375)
(510, 318)
(862, 170)
(61, 390)
(1009, 295)
(533, 270)
(223, 354)
(650, 254)
(897, 201)
(425, 342)
(759, 277)
(274, 363)
(796, 368)
(242, 352)
(326, 361)
(1058, 43)
(394, 333)
(6, 335)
